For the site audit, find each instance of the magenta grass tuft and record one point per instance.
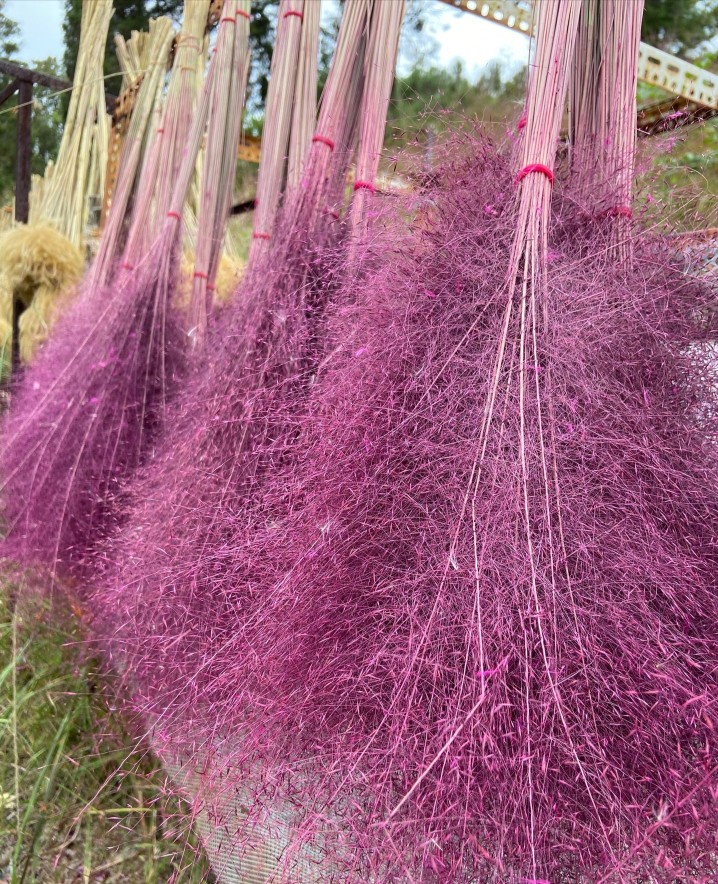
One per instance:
(452, 660)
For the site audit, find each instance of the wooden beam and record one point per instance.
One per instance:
(46, 80)
(9, 91)
(667, 116)
(21, 73)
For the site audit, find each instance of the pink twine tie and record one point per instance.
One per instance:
(322, 139)
(535, 167)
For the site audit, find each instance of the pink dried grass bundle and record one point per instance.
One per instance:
(376, 635)
(87, 414)
(236, 422)
(83, 415)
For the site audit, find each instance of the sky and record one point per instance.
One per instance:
(460, 35)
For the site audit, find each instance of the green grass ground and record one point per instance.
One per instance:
(78, 801)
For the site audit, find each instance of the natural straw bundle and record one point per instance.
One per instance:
(278, 119)
(82, 156)
(218, 169)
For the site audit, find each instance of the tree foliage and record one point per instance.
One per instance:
(679, 26)
(128, 16)
(424, 99)
(47, 115)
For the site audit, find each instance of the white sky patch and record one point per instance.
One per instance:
(40, 24)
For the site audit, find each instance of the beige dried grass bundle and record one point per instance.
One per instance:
(79, 171)
(220, 158)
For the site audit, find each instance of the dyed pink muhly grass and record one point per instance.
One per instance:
(85, 414)
(233, 425)
(442, 687)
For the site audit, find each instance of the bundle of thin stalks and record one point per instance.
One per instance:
(278, 119)
(92, 405)
(167, 143)
(467, 631)
(130, 161)
(603, 101)
(82, 156)
(304, 110)
(133, 54)
(382, 48)
(234, 422)
(218, 168)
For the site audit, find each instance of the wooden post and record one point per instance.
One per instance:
(23, 155)
(23, 152)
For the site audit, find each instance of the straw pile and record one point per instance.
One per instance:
(42, 269)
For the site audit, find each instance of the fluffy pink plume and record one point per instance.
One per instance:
(442, 659)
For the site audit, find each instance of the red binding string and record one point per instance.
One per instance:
(535, 167)
(210, 287)
(322, 139)
(521, 123)
(294, 12)
(174, 215)
(160, 131)
(199, 275)
(244, 14)
(126, 266)
(228, 18)
(261, 236)
(364, 185)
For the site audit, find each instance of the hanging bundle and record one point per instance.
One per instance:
(223, 131)
(382, 48)
(603, 110)
(129, 163)
(91, 407)
(466, 631)
(281, 104)
(168, 141)
(234, 424)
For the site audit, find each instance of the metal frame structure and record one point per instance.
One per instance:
(656, 67)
